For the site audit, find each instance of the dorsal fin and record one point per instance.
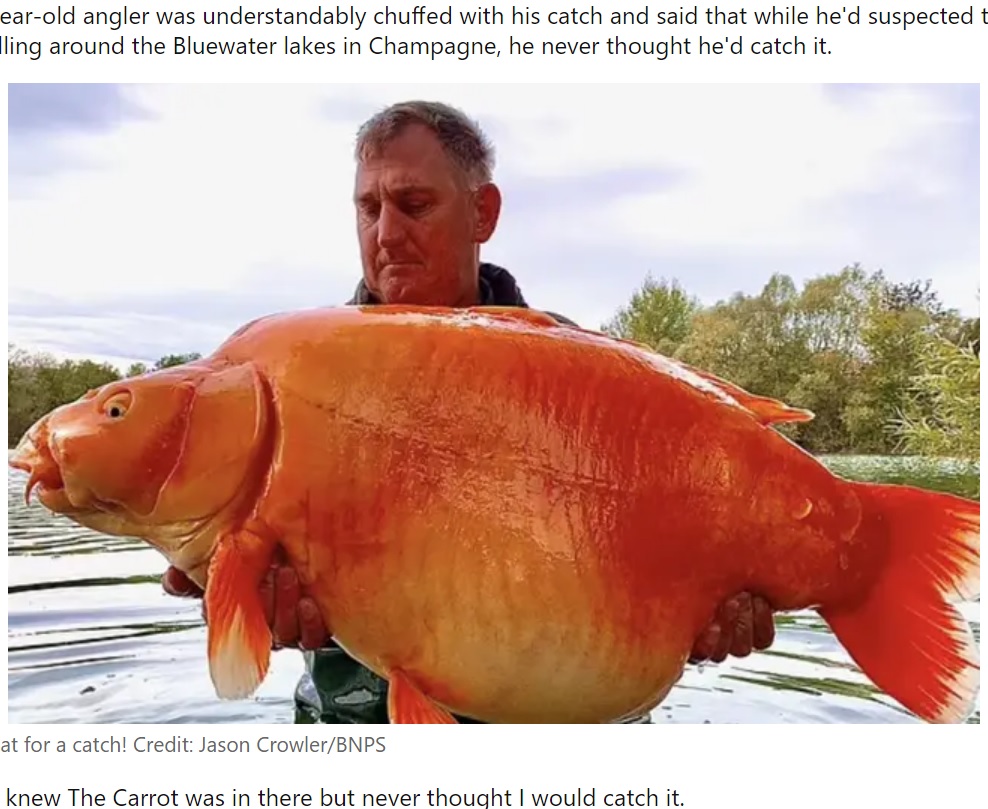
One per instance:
(514, 314)
(518, 313)
(766, 410)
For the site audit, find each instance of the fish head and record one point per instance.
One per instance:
(163, 456)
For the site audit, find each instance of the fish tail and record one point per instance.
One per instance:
(903, 632)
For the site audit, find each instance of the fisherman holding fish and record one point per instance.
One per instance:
(502, 515)
(425, 203)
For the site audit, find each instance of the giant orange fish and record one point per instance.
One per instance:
(507, 519)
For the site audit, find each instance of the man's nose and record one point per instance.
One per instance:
(390, 227)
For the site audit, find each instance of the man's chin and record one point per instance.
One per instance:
(408, 292)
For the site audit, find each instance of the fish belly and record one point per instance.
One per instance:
(503, 630)
(533, 528)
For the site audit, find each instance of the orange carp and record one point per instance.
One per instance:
(506, 518)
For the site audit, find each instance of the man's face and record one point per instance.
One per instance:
(419, 223)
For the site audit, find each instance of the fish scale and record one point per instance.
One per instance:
(506, 518)
(578, 628)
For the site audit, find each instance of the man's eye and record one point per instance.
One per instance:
(416, 207)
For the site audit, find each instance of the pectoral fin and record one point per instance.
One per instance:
(409, 706)
(239, 636)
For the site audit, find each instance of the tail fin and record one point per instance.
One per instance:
(904, 634)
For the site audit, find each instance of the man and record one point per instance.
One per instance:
(425, 203)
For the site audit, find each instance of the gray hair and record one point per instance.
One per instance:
(461, 138)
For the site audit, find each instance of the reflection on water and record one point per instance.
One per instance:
(93, 638)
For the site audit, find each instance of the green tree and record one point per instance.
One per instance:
(659, 315)
(942, 410)
(963, 332)
(832, 310)
(38, 383)
(902, 319)
(913, 296)
(171, 360)
(755, 341)
(826, 387)
(716, 343)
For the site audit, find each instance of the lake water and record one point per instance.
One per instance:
(93, 638)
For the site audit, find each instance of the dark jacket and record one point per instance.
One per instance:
(336, 689)
(497, 288)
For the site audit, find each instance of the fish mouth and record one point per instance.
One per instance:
(34, 456)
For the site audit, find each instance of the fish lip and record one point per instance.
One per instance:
(38, 482)
(16, 463)
(41, 465)
(39, 455)
(56, 500)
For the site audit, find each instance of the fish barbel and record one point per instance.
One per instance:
(506, 518)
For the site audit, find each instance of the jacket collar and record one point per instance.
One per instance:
(497, 287)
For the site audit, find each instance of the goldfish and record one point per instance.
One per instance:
(506, 518)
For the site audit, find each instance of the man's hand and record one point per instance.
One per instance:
(176, 583)
(294, 618)
(742, 624)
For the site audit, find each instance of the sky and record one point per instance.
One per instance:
(148, 220)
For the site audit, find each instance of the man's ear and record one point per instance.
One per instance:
(487, 200)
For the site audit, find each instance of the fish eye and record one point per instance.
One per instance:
(116, 406)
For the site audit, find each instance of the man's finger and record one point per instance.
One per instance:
(286, 607)
(176, 583)
(311, 629)
(723, 647)
(742, 640)
(706, 645)
(727, 617)
(762, 623)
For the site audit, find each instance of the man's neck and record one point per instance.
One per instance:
(474, 295)
(473, 298)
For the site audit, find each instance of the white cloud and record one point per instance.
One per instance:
(761, 165)
(223, 181)
(244, 191)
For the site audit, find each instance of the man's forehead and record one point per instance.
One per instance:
(413, 158)
(395, 175)
(371, 183)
